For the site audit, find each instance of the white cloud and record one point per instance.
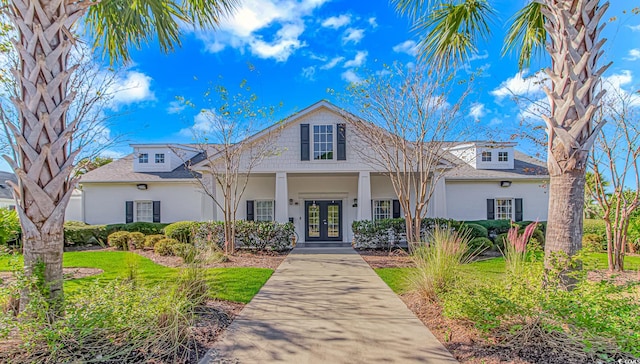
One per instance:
(358, 61)
(477, 111)
(112, 153)
(202, 124)
(635, 28)
(477, 56)
(175, 107)
(408, 46)
(634, 54)
(495, 121)
(132, 87)
(336, 22)
(351, 77)
(617, 80)
(372, 21)
(521, 85)
(309, 72)
(353, 35)
(332, 63)
(243, 30)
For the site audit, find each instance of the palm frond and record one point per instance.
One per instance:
(526, 35)
(452, 31)
(117, 25)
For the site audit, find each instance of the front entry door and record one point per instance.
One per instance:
(323, 220)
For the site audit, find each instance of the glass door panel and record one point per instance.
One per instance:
(313, 220)
(333, 221)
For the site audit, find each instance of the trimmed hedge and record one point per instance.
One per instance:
(478, 245)
(381, 234)
(255, 235)
(120, 240)
(476, 230)
(165, 246)
(151, 240)
(136, 240)
(147, 228)
(79, 233)
(595, 226)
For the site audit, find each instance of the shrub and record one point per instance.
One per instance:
(249, 235)
(500, 241)
(594, 226)
(147, 228)
(480, 244)
(593, 243)
(185, 251)
(382, 234)
(119, 239)
(180, 231)
(151, 240)
(476, 231)
(9, 225)
(164, 247)
(494, 227)
(438, 261)
(79, 233)
(136, 240)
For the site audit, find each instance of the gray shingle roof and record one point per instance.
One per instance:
(525, 167)
(5, 189)
(121, 170)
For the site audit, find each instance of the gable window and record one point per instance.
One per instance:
(264, 210)
(322, 142)
(486, 156)
(144, 211)
(159, 157)
(504, 209)
(503, 156)
(381, 209)
(143, 158)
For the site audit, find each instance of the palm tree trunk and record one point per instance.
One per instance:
(42, 136)
(573, 28)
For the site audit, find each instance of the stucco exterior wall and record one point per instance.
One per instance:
(104, 203)
(467, 200)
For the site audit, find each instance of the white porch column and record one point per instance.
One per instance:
(440, 198)
(282, 198)
(364, 196)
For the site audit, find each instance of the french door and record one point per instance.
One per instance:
(323, 220)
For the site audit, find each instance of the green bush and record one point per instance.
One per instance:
(151, 240)
(255, 235)
(136, 240)
(180, 231)
(593, 243)
(537, 234)
(480, 244)
(79, 233)
(185, 251)
(500, 241)
(9, 226)
(165, 246)
(494, 227)
(476, 231)
(119, 239)
(147, 228)
(594, 226)
(381, 234)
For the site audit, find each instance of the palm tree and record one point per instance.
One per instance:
(571, 31)
(45, 158)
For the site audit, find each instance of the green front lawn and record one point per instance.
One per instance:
(396, 278)
(231, 284)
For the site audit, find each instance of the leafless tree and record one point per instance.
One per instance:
(405, 120)
(616, 173)
(236, 135)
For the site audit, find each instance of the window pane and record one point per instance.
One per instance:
(143, 158)
(159, 157)
(323, 142)
(504, 210)
(264, 211)
(381, 209)
(144, 211)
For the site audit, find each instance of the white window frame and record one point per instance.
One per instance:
(137, 217)
(378, 213)
(158, 157)
(506, 215)
(262, 213)
(143, 158)
(328, 142)
(486, 156)
(503, 156)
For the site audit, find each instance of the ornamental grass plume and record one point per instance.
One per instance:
(516, 247)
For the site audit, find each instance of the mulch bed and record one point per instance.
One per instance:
(386, 259)
(256, 259)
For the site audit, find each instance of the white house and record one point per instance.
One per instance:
(318, 180)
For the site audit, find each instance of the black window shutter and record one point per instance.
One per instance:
(396, 209)
(518, 209)
(304, 142)
(491, 212)
(342, 142)
(128, 211)
(156, 211)
(250, 210)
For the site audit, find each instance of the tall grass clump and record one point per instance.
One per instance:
(438, 261)
(515, 252)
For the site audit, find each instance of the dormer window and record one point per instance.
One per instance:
(323, 142)
(503, 156)
(486, 156)
(143, 158)
(159, 157)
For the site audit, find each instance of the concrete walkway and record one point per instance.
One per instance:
(326, 305)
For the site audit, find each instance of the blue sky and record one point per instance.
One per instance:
(292, 51)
